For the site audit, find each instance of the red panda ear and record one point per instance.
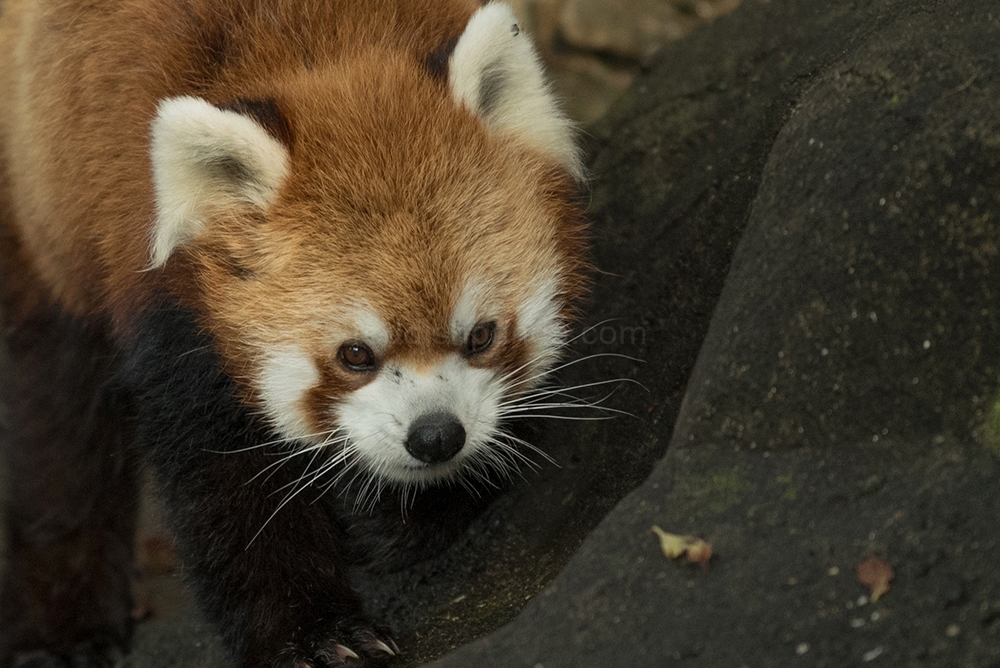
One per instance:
(495, 72)
(206, 160)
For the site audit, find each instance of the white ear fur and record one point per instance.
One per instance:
(206, 159)
(495, 72)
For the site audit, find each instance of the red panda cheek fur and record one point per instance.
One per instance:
(404, 178)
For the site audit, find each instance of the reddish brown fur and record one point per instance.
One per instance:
(372, 212)
(77, 144)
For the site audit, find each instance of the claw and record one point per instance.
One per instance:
(345, 652)
(382, 647)
(395, 647)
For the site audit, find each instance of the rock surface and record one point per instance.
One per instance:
(844, 403)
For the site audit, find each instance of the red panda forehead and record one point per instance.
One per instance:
(382, 133)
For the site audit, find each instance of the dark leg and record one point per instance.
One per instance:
(272, 580)
(71, 495)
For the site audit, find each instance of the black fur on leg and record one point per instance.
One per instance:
(71, 499)
(396, 532)
(272, 580)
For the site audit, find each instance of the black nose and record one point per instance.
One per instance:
(435, 437)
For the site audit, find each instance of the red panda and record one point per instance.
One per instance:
(344, 231)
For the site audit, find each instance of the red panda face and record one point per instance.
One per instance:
(387, 261)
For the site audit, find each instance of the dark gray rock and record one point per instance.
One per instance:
(788, 529)
(844, 403)
(863, 298)
(187, 642)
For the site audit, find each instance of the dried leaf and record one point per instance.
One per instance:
(674, 546)
(876, 575)
(700, 551)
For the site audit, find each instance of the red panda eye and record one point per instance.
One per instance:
(480, 338)
(357, 356)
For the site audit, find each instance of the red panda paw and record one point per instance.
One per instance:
(354, 644)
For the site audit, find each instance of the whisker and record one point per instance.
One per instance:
(288, 497)
(561, 347)
(543, 392)
(481, 467)
(548, 372)
(530, 410)
(580, 418)
(284, 460)
(277, 441)
(534, 448)
(305, 473)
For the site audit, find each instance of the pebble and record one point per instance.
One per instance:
(873, 654)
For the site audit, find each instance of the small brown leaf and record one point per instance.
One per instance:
(698, 551)
(875, 574)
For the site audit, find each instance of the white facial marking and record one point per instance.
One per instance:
(540, 322)
(191, 140)
(378, 416)
(369, 328)
(287, 373)
(470, 308)
(496, 74)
